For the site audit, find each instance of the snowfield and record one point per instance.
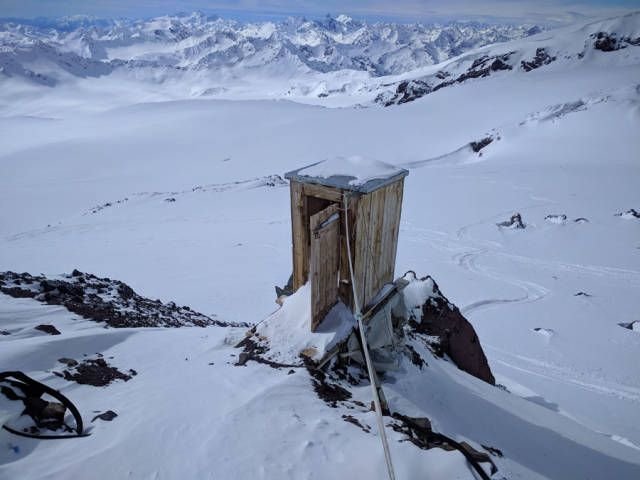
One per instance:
(136, 176)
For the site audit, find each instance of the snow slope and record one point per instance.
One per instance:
(87, 173)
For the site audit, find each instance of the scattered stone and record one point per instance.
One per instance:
(170, 199)
(331, 393)
(581, 220)
(631, 213)
(493, 451)
(69, 362)
(633, 326)
(354, 421)
(558, 219)
(253, 349)
(106, 416)
(50, 329)
(541, 58)
(107, 205)
(582, 294)
(415, 358)
(96, 372)
(547, 332)
(104, 300)
(515, 222)
(480, 144)
(4, 332)
(609, 42)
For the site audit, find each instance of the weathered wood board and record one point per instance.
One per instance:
(374, 222)
(324, 262)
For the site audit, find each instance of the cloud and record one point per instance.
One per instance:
(549, 11)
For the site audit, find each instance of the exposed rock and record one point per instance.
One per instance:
(419, 432)
(514, 222)
(557, 218)
(547, 332)
(633, 326)
(106, 416)
(581, 220)
(96, 372)
(330, 392)
(606, 42)
(457, 336)
(541, 58)
(253, 350)
(631, 213)
(50, 329)
(69, 362)
(480, 144)
(103, 300)
(609, 42)
(410, 90)
(351, 419)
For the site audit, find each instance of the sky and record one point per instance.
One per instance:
(538, 11)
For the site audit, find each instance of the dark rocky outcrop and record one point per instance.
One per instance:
(103, 300)
(96, 372)
(480, 144)
(514, 222)
(633, 326)
(457, 337)
(541, 58)
(558, 218)
(105, 416)
(410, 90)
(631, 213)
(610, 42)
(49, 329)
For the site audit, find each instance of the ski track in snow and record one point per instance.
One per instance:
(553, 372)
(268, 181)
(532, 291)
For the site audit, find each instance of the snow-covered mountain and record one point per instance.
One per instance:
(197, 42)
(164, 185)
(611, 42)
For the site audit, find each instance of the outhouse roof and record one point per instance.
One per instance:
(353, 173)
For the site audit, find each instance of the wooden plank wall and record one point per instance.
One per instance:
(374, 221)
(299, 234)
(377, 227)
(324, 263)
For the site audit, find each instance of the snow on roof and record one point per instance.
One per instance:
(349, 173)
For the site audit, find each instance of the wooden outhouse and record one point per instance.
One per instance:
(374, 202)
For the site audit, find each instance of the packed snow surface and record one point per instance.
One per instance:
(169, 180)
(288, 329)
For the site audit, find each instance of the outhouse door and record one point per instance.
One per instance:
(324, 262)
